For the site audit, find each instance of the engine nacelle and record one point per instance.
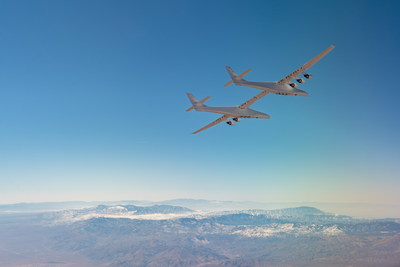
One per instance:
(307, 76)
(293, 85)
(230, 123)
(237, 119)
(299, 80)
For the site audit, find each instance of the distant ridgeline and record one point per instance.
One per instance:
(156, 235)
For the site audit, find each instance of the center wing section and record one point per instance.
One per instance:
(221, 119)
(251, 101)
(306, 66)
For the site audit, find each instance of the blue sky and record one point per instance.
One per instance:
(92, 101)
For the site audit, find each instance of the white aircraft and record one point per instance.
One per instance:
(236, 113)
(282, 87)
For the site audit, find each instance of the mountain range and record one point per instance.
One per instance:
(351, 209)
(168, 235)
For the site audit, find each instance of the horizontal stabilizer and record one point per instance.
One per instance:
(199, 103)
(234, 76)
(241, 75)
(228, 83)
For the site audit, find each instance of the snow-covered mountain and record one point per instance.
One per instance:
(352, 209)
(250, 223)
(155, 212)
(159, 235)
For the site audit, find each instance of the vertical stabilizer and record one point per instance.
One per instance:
(192, 99)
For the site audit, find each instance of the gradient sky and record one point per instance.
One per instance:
(92, 101)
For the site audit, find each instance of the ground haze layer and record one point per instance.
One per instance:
(157, 235)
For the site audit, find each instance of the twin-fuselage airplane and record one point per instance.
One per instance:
(283, 87)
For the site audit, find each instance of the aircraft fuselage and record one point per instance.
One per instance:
(235, 112)
(273, 87)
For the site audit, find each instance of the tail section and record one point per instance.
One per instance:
(195, 102)
(235, 78)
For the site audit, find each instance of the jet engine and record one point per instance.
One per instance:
(307, 76)
(237, 119)
(230, 123)
(294, 85)
(299, 80)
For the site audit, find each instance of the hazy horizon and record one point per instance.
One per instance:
(367, 210)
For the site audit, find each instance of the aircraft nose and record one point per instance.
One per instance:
(261, 115)
(266, 116)
(303, 93)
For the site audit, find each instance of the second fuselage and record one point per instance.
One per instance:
(235, 112)
(273, 87)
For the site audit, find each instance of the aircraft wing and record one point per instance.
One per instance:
(221, 119)
(305, 66)
(251, 101)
